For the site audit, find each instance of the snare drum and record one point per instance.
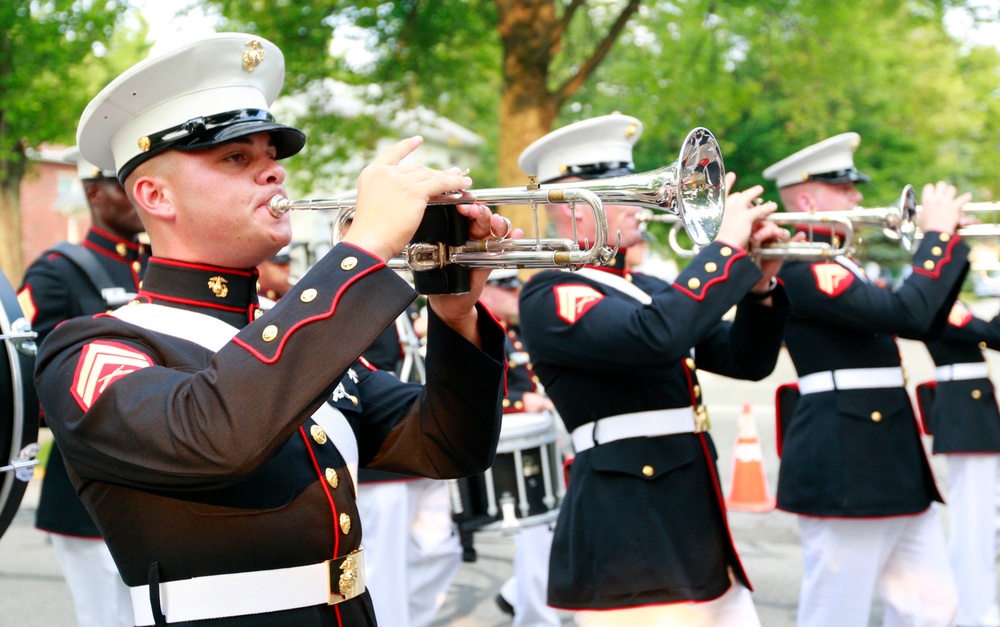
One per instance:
(18, 404)
(523, 487)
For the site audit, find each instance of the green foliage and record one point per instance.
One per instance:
(767, 77)
(53, 56)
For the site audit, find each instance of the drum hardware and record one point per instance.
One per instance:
(24, 465)
(18, 404)
(22, 337)
(692, 188)
(523, 487)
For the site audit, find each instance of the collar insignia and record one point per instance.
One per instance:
(218, 286)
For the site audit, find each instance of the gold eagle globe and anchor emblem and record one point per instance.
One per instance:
(218, 286)
(253, 57)
(348, 576)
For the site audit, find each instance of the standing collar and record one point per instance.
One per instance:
(113, 246)
(227, 293)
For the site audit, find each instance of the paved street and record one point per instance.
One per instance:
(32, 592)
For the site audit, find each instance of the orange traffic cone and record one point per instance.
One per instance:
(748, 489)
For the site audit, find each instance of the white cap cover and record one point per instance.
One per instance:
(199, 94)
(587, 149)
(829, 161)
(85, 169)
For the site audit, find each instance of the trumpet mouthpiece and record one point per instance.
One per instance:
(278, 205)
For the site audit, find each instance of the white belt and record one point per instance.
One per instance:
(242, 594)
(960, 372)
(640, 424)
(851, 379)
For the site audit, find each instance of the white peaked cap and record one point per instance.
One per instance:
(587, 148)
(85, 169)
(829, 161)
(201, 93)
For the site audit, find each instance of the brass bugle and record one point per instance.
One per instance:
(534, 252)
(692, 189)
(897, 221)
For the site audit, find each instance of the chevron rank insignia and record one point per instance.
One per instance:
(572, 301)
(832, 278)
(101, 364)
(959, 315)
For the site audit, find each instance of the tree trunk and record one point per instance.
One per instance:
(527, 107)
(11, 255)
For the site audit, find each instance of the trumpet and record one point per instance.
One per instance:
(897, 221)
(978, 229)
(692, 188)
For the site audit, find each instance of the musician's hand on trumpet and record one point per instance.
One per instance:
(458, 310)
(745, 225)
(392, 197)
(742, 213)
(941, 208)
(391, 200)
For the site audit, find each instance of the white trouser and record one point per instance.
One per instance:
(735, 608)
(100, 597)
(973, 508)
(527, 589)
(904, 558)
(412, 551)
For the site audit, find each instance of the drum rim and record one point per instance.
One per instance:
(11, 487)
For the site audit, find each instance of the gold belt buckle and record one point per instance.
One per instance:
(347, 577)
(701, 421)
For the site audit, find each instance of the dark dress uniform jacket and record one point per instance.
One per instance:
(56, 289)
(643, 520)
(964, 416)
(209, 463)
(857, 452)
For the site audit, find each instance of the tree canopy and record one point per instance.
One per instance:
(51, 63)
(767, 77)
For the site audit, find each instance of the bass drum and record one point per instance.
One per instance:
(18, 405)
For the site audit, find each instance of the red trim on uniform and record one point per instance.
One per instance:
(305, 321)
(739, 253)
(27, 303)
(333, 508)
(690, 382)
(721, 500)
(505, 361)
(114, 238)
(198, 266)
(326, 490)
(779, 434)
(944, 260)
(89, 245)
(187, 301)
(367, 364)
(616, 271)
(923, 413)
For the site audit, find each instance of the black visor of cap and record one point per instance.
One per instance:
(840, 176)
(204, 132)
(512, 282)
(595, 171)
